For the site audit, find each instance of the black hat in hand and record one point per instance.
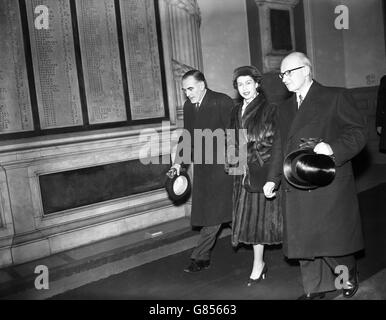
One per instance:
(178, 187)
(305, 169)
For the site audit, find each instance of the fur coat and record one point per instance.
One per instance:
(259, 123)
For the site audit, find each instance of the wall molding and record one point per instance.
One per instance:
(28, 234)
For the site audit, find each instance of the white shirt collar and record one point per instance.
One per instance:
(202, 98)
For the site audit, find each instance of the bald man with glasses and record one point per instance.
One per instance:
(322, 226)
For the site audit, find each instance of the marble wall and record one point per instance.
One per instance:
(182, 41)
(353, 57)
(225, 44)
(365, 56)
(26, 232)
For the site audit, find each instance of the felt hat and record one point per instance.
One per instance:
(305, 169)
(178, 186)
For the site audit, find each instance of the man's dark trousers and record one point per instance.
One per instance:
(206, 242)
(318, 274)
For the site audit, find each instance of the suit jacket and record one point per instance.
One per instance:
(380, 120)
(324, 221)
(212, 186)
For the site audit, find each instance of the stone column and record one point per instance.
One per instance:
(6, 221)
(183, 20)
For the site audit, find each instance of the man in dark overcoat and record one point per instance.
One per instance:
(380, 120)
(206, 113)
(322, 226)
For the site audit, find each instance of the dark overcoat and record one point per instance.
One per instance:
(380, 120)
(324, 221)
(212, 186)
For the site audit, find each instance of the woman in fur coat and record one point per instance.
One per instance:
(256, 220)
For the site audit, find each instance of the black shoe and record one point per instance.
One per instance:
(352, 284)
(262, 276)
(197, 265)
(312, 296)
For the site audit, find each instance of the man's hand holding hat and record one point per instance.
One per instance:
(178, 184)
(317, 145)
(323, 148)
(176, 167)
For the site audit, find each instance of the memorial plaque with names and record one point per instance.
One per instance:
(54, 64)
(15, 103)
(142, 59)
(101, 62)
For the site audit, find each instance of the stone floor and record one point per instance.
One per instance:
(153, 260)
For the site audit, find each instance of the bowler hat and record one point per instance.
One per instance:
(177, 186)
(305, 169)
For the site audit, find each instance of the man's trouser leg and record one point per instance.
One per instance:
(347, 261)
(205, 243)
(318, 274)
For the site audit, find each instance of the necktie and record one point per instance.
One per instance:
(197, 106)
(300, 100)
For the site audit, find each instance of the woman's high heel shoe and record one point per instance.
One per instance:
(263, 275)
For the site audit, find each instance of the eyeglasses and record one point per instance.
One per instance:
(288, 72)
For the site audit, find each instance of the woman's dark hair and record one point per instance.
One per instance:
(196, 74)
(251, 71)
